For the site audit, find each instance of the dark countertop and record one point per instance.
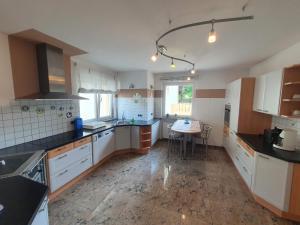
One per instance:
(257, 143)
(21, 199)
(58, 140)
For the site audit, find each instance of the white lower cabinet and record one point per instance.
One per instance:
(135, 137)
(65, 167)
(272, 180)
(122, 138)
(42, 218)
(155, 132)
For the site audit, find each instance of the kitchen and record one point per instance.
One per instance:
(87, 125)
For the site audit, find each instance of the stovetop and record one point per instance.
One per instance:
(10, 164)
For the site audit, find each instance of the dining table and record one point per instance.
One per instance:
(186, 128)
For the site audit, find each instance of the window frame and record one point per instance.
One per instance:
(97, 107)
(179, 83)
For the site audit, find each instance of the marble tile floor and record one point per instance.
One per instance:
(152, 190)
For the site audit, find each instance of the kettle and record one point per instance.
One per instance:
(287, 140)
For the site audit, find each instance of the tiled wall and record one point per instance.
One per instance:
(132, 108)
(42, 119)
(287, 123)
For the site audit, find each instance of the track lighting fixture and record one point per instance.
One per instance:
(154, 57)
(173, 66)
(188, 78)
(212, 37)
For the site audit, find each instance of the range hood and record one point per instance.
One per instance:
(51, 73)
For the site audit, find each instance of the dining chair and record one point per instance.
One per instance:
(203, 136)
(173, 139)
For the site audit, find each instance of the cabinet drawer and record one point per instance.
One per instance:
(82, 142)
(62, 161)
(246, 158)
(246, 174)
(60, 150)
(66, 175)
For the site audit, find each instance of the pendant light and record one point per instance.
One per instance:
(173, 66)
(212, 35)
(154, 57)
(193, 71)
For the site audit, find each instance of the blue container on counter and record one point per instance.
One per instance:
(78, 124)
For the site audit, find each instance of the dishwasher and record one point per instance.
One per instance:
(103, 145)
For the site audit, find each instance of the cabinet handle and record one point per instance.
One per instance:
(61, 157)
(41, 210)
(83, 147)
(231, 132)
(244, 168)
(246, 154)
(62, 173)
(266, 110)
(238, 145)
(237, 158)
(83, 161)
(264, 157)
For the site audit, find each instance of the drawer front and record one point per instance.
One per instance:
(66, 175)
(57, 151)
(62, 161)
(243, 170)
(82, 141)
(246, 158)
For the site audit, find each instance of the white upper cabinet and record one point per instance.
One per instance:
(267, 93)
(234, 100)
(259, 94)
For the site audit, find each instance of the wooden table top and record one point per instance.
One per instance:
(191, 127)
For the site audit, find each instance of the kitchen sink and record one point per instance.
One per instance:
(122, 122)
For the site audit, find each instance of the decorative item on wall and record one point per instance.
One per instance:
(25, 108)
(61, 108)
(131, 86)
(137, 98)
(52, 107)
(69, 115)
(40, 110)
(212, 37)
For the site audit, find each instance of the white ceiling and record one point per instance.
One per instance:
(121, 34)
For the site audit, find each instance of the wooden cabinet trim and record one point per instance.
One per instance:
(245, 146)
(60, 150)
(82, 141)
(294, 207)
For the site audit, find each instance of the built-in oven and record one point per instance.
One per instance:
(36, 170)
(227, 114)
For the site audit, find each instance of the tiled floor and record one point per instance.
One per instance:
(149, 190)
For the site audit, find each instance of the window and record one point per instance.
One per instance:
(97, 107)
(88, 109)
(178, 99)
(105, 105)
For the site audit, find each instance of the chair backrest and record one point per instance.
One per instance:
(205, 132)
(169, 126)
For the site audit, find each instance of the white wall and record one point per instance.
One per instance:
(138, 78)
(209, 110)
(6, 84)
(285, 58)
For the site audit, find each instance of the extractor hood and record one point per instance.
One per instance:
(51, 73)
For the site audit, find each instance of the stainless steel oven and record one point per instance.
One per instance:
(36, 170)
(227, 114)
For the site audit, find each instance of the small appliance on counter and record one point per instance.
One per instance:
(271, 136)
(287, 140)
(78, 124)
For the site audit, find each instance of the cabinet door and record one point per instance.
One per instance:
(259, 94)
(41, 217)
(155, 132)
(235, 94)
(272, 180)
(122, 137)
(272, 92)
(135, 137)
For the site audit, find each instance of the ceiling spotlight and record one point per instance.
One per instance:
(188, 78)
(154, 57)
(212, 36)
(173, 66)
(193, 71)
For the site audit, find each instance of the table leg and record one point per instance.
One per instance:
(184, 145)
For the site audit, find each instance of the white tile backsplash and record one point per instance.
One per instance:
(284, 123)
(131, 109)
(17, 127)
